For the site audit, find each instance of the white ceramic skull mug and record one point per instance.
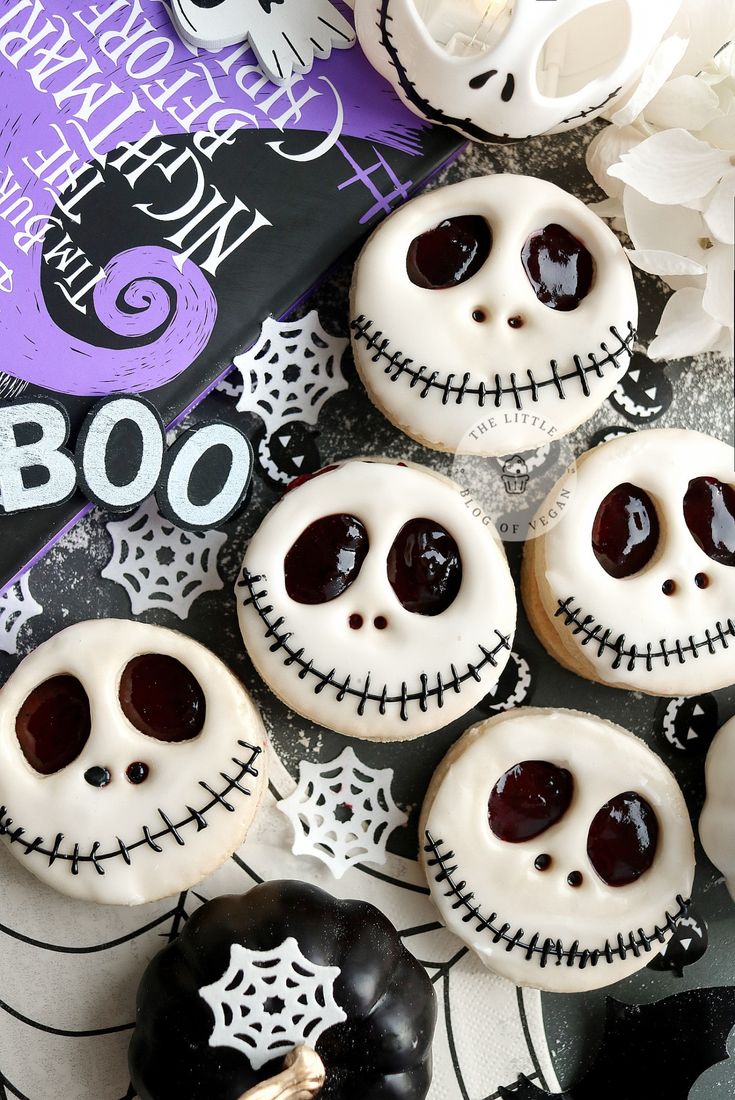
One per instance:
(131, 762)
(558, 847)
(635, 585)
(373, 602)
(717, 821)
(492, 315)
(285, 35)
(504, 70)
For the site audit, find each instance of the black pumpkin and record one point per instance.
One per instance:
(382, 1050)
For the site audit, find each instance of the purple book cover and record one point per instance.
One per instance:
(158, 202)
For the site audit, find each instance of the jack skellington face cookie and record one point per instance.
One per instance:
(505, 70)
(635, 586)
(493, 315)
(558, 847)
(131, 762)
(373, 602)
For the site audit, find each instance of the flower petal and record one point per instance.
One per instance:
(708, 24)
(665, 228)
(684, 329)
(658, 70)
(606, 149)
(608, 208)
(720, 214)
(672, 167)
(684, 101)
(718, 297)
(664, 264)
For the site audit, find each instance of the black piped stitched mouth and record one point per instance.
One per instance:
(150, 836)
(517, 392)
(428, 690)
(634, 656)
(443, 868)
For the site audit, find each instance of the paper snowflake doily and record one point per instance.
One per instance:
(289, 375)
(268, 1002)
(17, 606)
(342, 812)
(159, 564)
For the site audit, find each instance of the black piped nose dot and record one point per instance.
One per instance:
(575, 879)
(97, 777)
(701, 580)
(355, 621)
(516, 322)
(479, 315)
(668, 588)
(380, 622)
(137, 772)
(542, 862)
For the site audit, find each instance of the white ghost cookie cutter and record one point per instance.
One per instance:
(561, 874)
(131, 762)
(492, 316)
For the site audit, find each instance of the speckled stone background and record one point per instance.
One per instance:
(69, 586)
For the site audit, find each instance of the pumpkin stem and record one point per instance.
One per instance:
(301, 1078)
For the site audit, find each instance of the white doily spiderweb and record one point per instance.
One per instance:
(17, 606)
(342, 812)
(159, 564)
(268, 1002)
(288, 375)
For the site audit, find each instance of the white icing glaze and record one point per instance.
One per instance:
(480, 621)
(545, 73)
(717, 823)
(435, 330)
(43, 806)
(502, 877)
(662, 462)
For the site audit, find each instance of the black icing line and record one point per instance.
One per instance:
(668, 652)
(634, 942)
(398, 365)
(306, 668)
(466, 125)
(75, 858)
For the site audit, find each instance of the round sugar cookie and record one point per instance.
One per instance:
(717, 822)
(558, 847)
(373, 602)
(634, 586)
(131, 762)
(492, 315)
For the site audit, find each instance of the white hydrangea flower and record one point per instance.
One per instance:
(667, 164)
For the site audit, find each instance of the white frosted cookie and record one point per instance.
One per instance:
(509, 69)
(717, 822)
(131, 762)
(373, 602)
(635, 585)
(492, 315)
(558, 847)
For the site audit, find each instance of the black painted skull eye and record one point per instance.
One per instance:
(53, 724)
(162, 698)
(559, 268)
(528, 799)
(709, 513)
(623, 838)
(325, 559)
(424, 567)
(449, 254)
(625, 532)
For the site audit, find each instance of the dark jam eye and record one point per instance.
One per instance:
(709, 513)
(623, 838)
(325, 559)
(449, 254)
(53, 724)
(528, 799)
(424, 567)
(625, 532)
(559, 268)
(162, 698)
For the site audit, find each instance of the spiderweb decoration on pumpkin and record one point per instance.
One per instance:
(17, 606)
(288, 376)
(159, 564)
(268, 1002)
(342, 812)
